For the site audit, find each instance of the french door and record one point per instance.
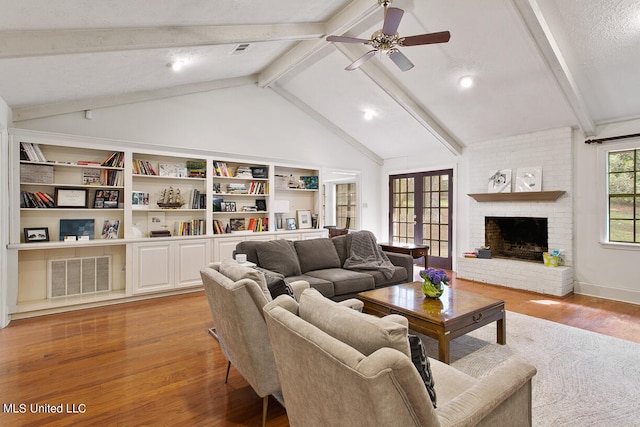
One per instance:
(420, 212)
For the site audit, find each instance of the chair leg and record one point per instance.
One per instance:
(265, 405)
(226, 377)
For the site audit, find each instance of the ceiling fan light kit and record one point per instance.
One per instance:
(388, 40)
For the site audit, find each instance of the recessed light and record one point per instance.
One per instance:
(176, 65)
(369, 114)
(466, 82)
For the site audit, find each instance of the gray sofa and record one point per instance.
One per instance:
(320, 262)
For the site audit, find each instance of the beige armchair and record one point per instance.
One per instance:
(236, 296)
(340, 368)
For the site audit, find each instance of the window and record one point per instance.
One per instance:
(623, 195)
(346, 206)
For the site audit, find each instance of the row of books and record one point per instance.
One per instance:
(143, 167)
(258, 188)
(36, 200)
(198, 200)
(194, 227)
(220, 169)
(220, 228)
(31, 152)
(114, 160)
(258, 224)
(197, 168)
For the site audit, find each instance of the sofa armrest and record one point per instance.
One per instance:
(353, 303)
(402, 260)
(506, 388)
(297, 287)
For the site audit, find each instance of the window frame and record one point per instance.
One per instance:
(603, 192)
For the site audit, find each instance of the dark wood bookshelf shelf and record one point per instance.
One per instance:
(532, 196)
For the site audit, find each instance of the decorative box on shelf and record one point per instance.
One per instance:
(37, 174)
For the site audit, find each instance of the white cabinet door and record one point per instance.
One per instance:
(224, 247)
(191, 256)
(152, 267)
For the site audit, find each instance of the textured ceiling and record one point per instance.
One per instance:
(537, 64)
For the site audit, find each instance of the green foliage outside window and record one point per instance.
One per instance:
(624, 196)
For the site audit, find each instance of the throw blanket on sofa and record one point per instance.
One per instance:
(365, 254)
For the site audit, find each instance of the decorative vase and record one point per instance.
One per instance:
(432, 290)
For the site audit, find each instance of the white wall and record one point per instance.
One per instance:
(5, 119)
(603, 270)
(243, 120)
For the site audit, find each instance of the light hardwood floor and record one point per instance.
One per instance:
(153, 362)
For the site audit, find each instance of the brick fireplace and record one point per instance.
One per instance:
(553, 151)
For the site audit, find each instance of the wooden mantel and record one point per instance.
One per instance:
(528, 196)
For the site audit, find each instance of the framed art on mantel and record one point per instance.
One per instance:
(529, 179)
(499, 181)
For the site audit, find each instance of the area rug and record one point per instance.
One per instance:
(584, 378)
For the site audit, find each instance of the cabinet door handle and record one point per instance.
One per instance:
(476, 317)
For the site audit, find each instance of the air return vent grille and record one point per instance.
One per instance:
(240, 48)
(79, 276)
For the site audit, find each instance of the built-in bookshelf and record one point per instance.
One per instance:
(296, 195)
(240, 197)
(144, 219)
(168, 194)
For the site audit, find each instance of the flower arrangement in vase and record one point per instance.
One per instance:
(433, 282)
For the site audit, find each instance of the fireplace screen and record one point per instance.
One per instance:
(516, 237)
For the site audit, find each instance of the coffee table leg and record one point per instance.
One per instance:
(443, 349)
(502, 330)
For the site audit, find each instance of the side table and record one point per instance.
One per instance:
(416, 251)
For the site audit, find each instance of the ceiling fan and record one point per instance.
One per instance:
(388, 41)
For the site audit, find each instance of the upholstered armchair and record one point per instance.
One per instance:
(236, 296)
(342, 368)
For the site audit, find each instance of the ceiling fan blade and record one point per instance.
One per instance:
(392, 20)
(341, 39)
(400, 60)
(358, 62)
(441, 37)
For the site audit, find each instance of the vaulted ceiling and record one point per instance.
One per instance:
(536, 64)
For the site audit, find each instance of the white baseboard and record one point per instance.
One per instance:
(607, 292)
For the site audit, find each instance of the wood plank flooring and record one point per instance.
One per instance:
(153, 362)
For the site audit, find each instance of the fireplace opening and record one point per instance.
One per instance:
(524, 238)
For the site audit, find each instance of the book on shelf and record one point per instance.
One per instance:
(193, 227)
(112, 178)
(36, 200)
(237, 188)
(143, 167)
(31, 152)
(160, 233)
(220, 169)
(114, 160)
(197, 168)
(197, 200)
(258, 224)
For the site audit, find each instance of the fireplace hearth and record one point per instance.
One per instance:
(523, 238)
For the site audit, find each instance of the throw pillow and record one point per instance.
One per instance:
(421, 362)
(317, 254)
(279, 256)
(279, 287)
(235, 272)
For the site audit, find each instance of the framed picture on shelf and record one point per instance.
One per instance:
(169, 169)
(139, 200)
(261, 204)
(228, 206)
(529, 179)
(72, 198)
(237, 224)
(291, 224)
(38, 234)
(499, 181)
(76, 229)
(304, 219)
(110, 229)
(107, 199)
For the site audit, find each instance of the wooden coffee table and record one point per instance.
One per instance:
(452, 315)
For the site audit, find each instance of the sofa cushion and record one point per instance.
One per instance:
(279, 256)
(361, 331)
(344, 281)
(235, 272)
(421, 362)
(342, 245)
(399, 276)
(316, 254)
(325, 287)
